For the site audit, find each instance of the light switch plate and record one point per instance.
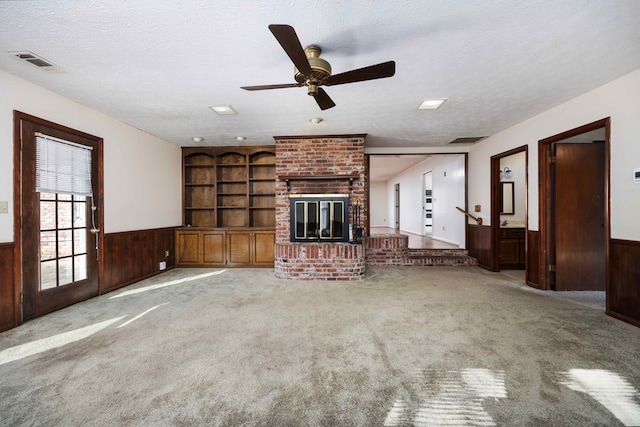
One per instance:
(4, 206)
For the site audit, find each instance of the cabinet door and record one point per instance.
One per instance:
(264, 248)
(509, 252)
(187, 248)
(213, 248)
(239, 246)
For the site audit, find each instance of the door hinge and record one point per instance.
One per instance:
(552, 160)
(552, 268)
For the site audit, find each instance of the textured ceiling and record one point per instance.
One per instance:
(158, 65)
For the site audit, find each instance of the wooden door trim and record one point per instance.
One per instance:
(544, 198)
(495, 203)
(18, 117)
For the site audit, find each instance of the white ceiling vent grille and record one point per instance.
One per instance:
(36, 60)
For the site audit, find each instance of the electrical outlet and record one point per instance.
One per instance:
(4, 206)
(163, 265)
(166, 253)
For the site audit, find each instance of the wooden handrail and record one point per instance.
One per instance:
(478, 220)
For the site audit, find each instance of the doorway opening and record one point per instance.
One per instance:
(427, 183)
(509, 209)
(574, 208)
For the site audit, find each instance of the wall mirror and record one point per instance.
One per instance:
(506, 198)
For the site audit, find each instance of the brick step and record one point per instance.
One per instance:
(436, 252)
(439, 257)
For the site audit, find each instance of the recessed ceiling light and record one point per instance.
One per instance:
(240, 138)
(316, 120)
(431, 104)
(198, 139)
(223, 109)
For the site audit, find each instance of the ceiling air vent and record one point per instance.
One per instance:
(467, 140)
(35, 60)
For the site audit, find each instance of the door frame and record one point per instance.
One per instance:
(545, 194)
(18, 116)
(495, 205)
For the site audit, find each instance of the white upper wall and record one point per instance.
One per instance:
(620, 100)
(142, 173)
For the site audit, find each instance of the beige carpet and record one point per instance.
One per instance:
(408, 346)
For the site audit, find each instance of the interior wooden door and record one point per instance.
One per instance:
(579, 217)
(59, 240)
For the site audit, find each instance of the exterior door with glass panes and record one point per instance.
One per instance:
(59, 219)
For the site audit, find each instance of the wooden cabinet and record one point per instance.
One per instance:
(225, 248)
(200, 248)
(512, 248)
(229, 186)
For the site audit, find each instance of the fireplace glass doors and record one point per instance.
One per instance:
(321, 217)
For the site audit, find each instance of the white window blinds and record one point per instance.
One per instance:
(62, 166)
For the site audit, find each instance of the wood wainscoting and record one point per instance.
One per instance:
(479, 237)
(131, 256)
(623, 292)
(9, 307)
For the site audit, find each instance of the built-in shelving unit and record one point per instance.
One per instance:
(229, 186)
(229, 207)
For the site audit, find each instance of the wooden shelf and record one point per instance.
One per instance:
(288, 178)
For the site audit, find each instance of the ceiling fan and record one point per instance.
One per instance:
(312, 71)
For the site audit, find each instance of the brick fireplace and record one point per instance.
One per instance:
(319, 165)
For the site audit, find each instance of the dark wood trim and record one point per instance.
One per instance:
(495, 202)
(345, 136)
(8, 303)
(480, 244)
(131, 256)
(533, 258)
(545, 196)
(17, 217)
(623, 292)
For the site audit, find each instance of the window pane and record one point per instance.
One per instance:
(66, 197)
(47, 196)
(64, 214)
(47, 245)
(80, 267)
(47, 215)
(64, 243)
(338, 220)
(79, 241)
(48, 275)
(79, 214)
(65, 271)
(312, 222)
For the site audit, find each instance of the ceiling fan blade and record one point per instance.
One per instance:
(323, 100)
(372, 72)
(288, 39)
(264, 87)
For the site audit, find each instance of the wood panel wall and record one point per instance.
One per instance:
(533, 259)
(623, 292)
(8, 296)
(479, 237)
(131, 256)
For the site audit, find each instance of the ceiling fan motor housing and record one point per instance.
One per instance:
(320, 68)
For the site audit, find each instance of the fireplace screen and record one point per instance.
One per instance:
(322, 217)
